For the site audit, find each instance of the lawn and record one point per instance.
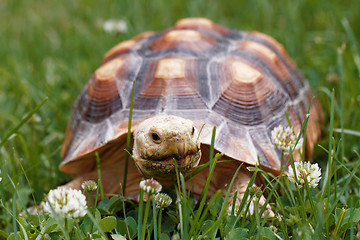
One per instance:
(49, 49)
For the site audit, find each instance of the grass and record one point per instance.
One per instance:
(49, 49)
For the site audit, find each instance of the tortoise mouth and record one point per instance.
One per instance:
(165, 168)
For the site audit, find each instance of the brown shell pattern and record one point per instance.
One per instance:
(240, 82)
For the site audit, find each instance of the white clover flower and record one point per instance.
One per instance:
(285, 138)
(305, 170)
(115, 26)
(89, 186)
(162, 200)
(0, 177)
(150, 186)
(65, 202)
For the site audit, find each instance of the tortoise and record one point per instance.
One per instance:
(192, 76)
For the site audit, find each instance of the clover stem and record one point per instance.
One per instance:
(154, 219)
(159, 221)
(145, 217)
(66, 225)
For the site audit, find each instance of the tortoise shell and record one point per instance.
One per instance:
(240, 82)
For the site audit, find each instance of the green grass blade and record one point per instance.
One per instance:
(177, 176)
(146, 214)
(23, 230)
(128, 139)
(96, 224)
(245, 199)
(347, 131)
(340, 64)
(185, 208)
(342, 165)
(354, 43)
(327, 178)
(155, 219)
(201, 168)
(98, 167)
(329, 94)
(339, 221)
(22, 122)
(140, 212)
(203, 195)
(211, 167)
(344, 188)
(14, 215)
(207, 208)
(272, 187)
(180, 207)
(288, 119)
(27, 179)
(211, 152)
(224, 206)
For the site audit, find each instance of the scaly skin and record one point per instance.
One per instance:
(160, 141)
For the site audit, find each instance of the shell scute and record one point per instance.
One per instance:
(201, 24)
(102, 98)
(184, 40)
(125, 47)
(250, 97)
(265, 149)
(169, 83)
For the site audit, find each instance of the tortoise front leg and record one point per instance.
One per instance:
(240, 185)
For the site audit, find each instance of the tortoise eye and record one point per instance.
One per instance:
(155, 137)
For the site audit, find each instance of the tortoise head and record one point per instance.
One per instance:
(162, 141)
